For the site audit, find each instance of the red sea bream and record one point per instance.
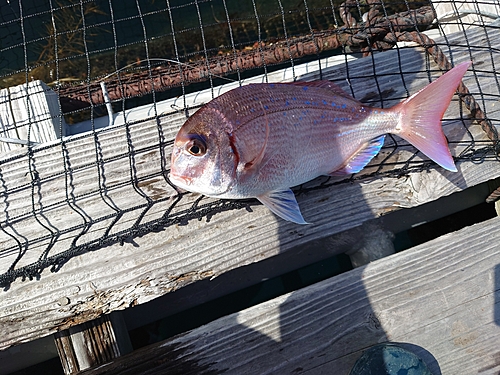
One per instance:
(258, 140)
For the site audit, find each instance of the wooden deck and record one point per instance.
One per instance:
(440, 297)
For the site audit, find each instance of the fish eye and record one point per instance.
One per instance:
(196, 146)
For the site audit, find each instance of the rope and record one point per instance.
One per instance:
(439, 57)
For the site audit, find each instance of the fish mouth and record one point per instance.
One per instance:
(184, 183)
(180, 181)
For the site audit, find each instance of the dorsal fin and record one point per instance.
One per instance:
(323, 84)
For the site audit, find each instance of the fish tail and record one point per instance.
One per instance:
(421, 114)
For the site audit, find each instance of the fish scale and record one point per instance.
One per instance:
(257, 141)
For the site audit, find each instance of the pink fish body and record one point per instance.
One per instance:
(257, 141)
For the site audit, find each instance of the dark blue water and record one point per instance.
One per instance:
(99, 37)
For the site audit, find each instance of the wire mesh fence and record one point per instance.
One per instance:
(93, 93)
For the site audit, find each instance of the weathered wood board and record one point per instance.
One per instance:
(87, 180)
(440, 298)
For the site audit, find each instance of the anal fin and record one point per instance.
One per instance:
(283, 204)
(360, 159)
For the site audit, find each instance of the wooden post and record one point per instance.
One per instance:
(29, 110)
(92, 343)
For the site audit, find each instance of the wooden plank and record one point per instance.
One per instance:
(440, 297)
(157, 263)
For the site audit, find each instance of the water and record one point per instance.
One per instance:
(96, 38)
(65, 42)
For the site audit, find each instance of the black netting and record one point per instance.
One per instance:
(86, 135)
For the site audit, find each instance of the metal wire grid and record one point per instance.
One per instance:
(65, 225)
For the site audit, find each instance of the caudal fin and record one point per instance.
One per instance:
(421, 113)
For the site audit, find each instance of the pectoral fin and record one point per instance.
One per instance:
(283, 204)
(361, 158)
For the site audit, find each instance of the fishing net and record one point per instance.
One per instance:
(93, 93)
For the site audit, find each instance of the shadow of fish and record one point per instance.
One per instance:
(257, 141)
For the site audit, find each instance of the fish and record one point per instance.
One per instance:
(259, 140)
